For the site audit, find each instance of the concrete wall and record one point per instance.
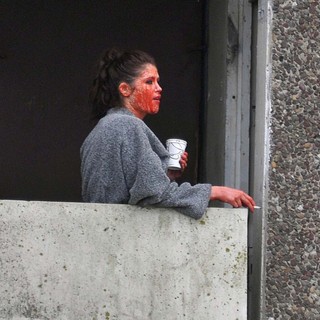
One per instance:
(93, 261)
(293, 245)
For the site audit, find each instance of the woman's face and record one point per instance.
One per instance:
(145, 92)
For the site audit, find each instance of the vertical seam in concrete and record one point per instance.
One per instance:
(267, 135)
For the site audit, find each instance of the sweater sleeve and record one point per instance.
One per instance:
(149, 184)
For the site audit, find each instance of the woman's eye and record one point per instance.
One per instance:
(149, 82)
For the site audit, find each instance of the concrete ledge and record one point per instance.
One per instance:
(95, 261)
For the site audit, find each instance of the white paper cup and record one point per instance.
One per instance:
(175, 147)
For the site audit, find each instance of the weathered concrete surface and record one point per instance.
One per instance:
(93, 261)
(293, 221)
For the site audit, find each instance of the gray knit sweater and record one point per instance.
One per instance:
(122, 161)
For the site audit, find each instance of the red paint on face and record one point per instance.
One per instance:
(146, 94)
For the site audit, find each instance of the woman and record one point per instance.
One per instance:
(122, 160)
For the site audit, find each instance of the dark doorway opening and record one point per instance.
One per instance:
(47, 53)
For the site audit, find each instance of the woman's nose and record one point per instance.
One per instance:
(158, 88)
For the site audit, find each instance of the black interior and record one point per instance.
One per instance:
(47, 53)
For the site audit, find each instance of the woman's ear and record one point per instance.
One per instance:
(125, 89)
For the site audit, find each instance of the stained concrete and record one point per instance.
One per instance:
(94, 261)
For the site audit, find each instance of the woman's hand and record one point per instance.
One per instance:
(184, 161)
(176, 174)
(235, 197)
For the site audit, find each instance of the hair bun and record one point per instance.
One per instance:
(109, 57)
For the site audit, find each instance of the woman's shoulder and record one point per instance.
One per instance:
(122, 121)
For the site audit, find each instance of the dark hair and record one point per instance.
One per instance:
(115, 66)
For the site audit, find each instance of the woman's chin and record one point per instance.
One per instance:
(154, 111)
